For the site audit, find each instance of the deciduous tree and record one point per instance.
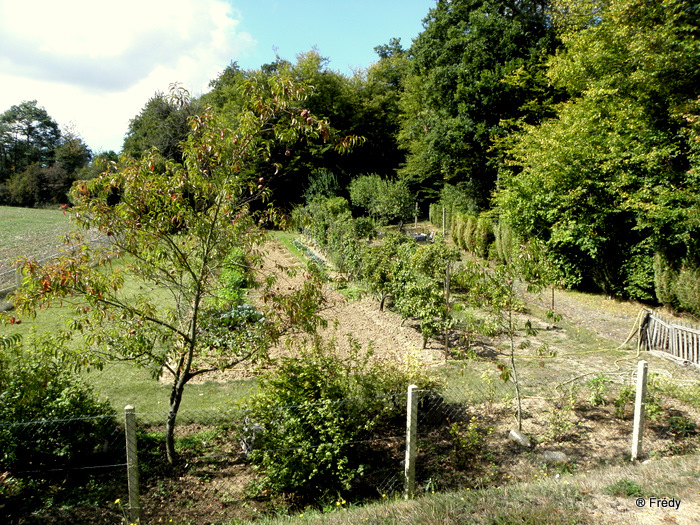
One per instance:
(462, 86)
(28, 135)
(174, 225)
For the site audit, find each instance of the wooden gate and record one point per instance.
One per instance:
(680, 340)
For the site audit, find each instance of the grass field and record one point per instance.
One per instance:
(37, 232)
(30, 232)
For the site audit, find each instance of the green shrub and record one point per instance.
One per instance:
(384, 200)
(457, 231)
(484, 236)
(686, 289)
(316, 410)
(625, 488)
(322, 183)
(68, 421)
(470, 233)
(663, 277)
(677, 288)
(236, 277)
(504, 241)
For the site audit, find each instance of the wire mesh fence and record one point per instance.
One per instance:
(11, 278)
(463, 442)
(574, 424)
(62, 470)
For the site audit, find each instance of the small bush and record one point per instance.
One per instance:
(624, 399)
(504, 242)
(598, 389)
(41, 398)
(316, 412)
(686, 289)
(470, 233)
(236, 277)
(677, 288)
(484, 236)
(468, 440)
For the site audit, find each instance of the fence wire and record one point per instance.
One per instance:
(64, 470)
(463, 441)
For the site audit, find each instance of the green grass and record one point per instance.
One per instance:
(287, 239)
(124, 383)
(30, 232)
(570, 499)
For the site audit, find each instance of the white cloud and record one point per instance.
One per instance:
(97, 67)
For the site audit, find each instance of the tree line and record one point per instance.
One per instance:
(38, 161)
(574, 123)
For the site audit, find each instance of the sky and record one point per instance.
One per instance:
(93, 65)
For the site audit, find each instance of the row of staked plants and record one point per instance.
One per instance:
(417, 280)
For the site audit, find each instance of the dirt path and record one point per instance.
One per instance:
(613, 320)
(391, 338)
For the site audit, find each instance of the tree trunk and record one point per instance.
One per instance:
(517, 384)
(175, 399)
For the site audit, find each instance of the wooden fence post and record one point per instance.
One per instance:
(639, 405)
(411, 441)
(132, 465)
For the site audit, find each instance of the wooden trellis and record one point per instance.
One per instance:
(680, 340)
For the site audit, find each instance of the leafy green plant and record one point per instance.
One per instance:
(236, 276)
(41, 397)
(623, 399)
(384, 200)
(560, 421)
(315, 412)
(598, 388)
(625, 488)
(468, 440)
(652, 402)
(681, 426)
(495, 289)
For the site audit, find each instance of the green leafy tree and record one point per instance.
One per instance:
(72, 154)
(162, 124)
(175, 224)
(429, 294)
(606, 184)
(384, 200)
(496, 289)
(463, 87)
(382, 262)
(28, 135)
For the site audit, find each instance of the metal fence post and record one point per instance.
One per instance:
(411, 441)
(639, 405)
(132, 465)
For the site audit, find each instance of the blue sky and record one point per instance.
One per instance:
(93, 68)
